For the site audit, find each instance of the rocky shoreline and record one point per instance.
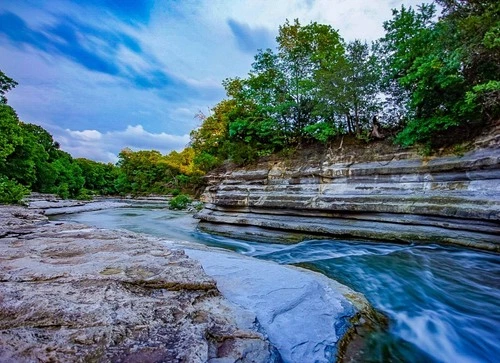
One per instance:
(76, 293)
(398, 197)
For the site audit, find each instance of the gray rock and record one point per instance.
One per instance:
(53, 205)
(303, 313)
(395, 197)
(71, 293)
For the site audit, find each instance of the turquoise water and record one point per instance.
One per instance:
(443, 302)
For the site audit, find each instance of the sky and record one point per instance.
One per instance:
(103, 75)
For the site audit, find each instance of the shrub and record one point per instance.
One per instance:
(321, 131)
(11, 192)
(63, 191)
(84, 194)
(179, 202)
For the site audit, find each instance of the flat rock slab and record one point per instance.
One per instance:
(71, 293)
(54, 207)
(303, 313)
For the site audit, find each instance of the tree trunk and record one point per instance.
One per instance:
(349, 126)
(356, 119)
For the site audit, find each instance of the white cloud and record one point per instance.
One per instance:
(92, 144)
(85, 135)
(89, 112)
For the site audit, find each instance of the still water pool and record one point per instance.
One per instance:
(443, 302)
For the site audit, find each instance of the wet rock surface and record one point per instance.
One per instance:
(399, 197)
(53, 205)
(304, 314)
(72, 293)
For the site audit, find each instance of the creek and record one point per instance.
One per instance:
(443, 302)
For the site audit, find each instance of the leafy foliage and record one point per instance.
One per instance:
(446, 71)
(146, 172)
(6, 84)
(31, 160)
(11, 192)
(431, 80)
(180, 201)
(99, 177)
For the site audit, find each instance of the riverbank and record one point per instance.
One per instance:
(441, 301)
(371, 193)
(53, 205)
(73, 292)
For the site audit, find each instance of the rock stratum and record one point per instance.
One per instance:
(366, 194)
(74, 293)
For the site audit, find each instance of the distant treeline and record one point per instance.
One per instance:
(30, 160)
(429, 80)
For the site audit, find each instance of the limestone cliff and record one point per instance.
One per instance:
(369, 193)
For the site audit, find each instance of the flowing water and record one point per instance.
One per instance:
(443, 302)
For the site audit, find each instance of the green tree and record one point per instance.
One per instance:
(475, 26)
(42, 153)
(30, 158)
(10, 132)
(350, 87)
(445, 71)
(99, 178)
(69, 180)
(280, 101)
(21, 151)
(144, 172)
(213, 133)
(6, 84)
(407, 39)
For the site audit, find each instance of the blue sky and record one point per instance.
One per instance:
(102, 75)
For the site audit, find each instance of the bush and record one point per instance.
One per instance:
(11, 192)
(63, 191)
(426, 131)
(321, 131)
(206, 161)
(84, 194)
(179, 202)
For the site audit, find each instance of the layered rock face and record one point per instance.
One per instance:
(370, 194)
(71, 293)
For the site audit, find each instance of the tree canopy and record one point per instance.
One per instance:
(430, 80)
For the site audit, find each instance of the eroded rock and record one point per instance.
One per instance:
(71, 293)
(304, 313)
(397, 197)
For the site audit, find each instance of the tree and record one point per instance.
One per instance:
(6, 84)
(280, 102)
(99, 177)
(350, 87)
(43, 153)
(476, 28)
(210, 139)
(308, 55)
(30, 158)
(69, 179)
(421, 73)
(446, 71)
(10, 132)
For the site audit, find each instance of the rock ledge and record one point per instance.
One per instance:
(400, 198)
(71, 293)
